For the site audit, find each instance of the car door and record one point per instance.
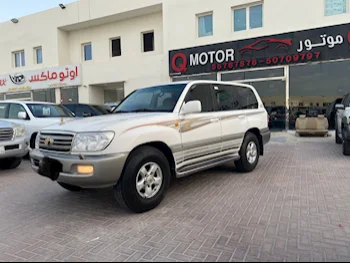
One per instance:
(200, 132)
(233, 117)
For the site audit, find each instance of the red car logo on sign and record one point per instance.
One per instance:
(265, 43)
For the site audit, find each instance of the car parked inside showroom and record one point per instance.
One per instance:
(156, 133)
(342, 124)
(13, 145)
(33, 115)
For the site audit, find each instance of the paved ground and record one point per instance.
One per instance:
(294, 207)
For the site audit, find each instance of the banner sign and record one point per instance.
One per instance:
(56, 77)
(320, 44)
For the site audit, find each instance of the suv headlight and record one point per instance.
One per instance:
(92, 141)
(37, 141)
(19, 131)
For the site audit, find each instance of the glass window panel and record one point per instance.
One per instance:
(314, 87)
(205, 26)
(39, 56)
(14, 96)
(256, 74)
(23, 59)
(87, 52)
(148, 42)
(17, 60)
(2, 96)
(240, 19)
(335, 7)
(48, 95)
(199, 77)
(203, 93)
(116, 48)
(256, 16)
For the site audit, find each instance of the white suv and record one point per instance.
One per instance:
(33, 115)
(156, 133)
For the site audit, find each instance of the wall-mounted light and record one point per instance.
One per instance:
(14, 20)
(62, 6)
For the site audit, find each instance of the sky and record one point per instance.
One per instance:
(17, 8)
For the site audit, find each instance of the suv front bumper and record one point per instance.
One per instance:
(13, 149)
(107, 169)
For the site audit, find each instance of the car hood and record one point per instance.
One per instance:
(5, 125)
(109, 122)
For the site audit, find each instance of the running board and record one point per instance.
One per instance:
(205, 165)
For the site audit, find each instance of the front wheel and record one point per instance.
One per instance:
(145, 180)
(10, 163)
(250, 153)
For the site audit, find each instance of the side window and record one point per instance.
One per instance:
(14, 110)
(346, 101)
(247, 98)
(70, 107)
(203, 93)
(83, 109)
(226, 98)
(3, 110)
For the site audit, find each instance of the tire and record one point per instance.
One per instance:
(346, 147)
(126, 192)
(10, 163)
(337, 139)
(69, 187)
(243, 165)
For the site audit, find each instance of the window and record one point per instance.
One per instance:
(148, 41)
(47, 110)
(48, 95)
(226, 98)
(3, 110)
(203, 93)
(14, 110)
(38, 52)
(205, 25)
(335, 7)
(148, 99)
(116, 47)
(87, 50)
(19, 59)
(83, 111)
(247, 98)
(248, 17)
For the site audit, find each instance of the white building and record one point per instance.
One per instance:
(94, 51)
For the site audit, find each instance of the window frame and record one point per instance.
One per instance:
(36, 55)
(247, 10)
(83, 51)
(111, 46)
(346, 11)
(198, 16)
(19, 52)
(143, 41)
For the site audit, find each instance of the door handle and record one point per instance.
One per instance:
(214, 120)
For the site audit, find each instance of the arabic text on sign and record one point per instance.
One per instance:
(61, 76)
(329, 41)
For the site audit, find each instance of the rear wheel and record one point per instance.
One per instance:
(337, 139)
(249, 154)
(69, 187)
(346, 147)
(145, 180)
(10, 163)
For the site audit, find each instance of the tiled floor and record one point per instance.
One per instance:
(294, 207)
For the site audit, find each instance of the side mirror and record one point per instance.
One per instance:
(193, 106)
(22, 115)
(339, 107)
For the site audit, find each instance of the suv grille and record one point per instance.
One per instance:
(56, 142)
(6, 134)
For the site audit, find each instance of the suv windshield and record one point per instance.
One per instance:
(154, 99)
(48, 111)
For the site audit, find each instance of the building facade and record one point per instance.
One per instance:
(296, 53)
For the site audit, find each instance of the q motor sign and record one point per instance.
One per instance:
(56, 77)
(320, 44)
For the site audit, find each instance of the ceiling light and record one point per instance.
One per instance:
(62, 6)
(14, 20)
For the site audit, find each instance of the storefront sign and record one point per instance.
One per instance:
(319, 44)
(41, 79)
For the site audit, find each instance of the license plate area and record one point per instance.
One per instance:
(50, 168)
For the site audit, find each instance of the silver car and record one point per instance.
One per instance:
(13, 145)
